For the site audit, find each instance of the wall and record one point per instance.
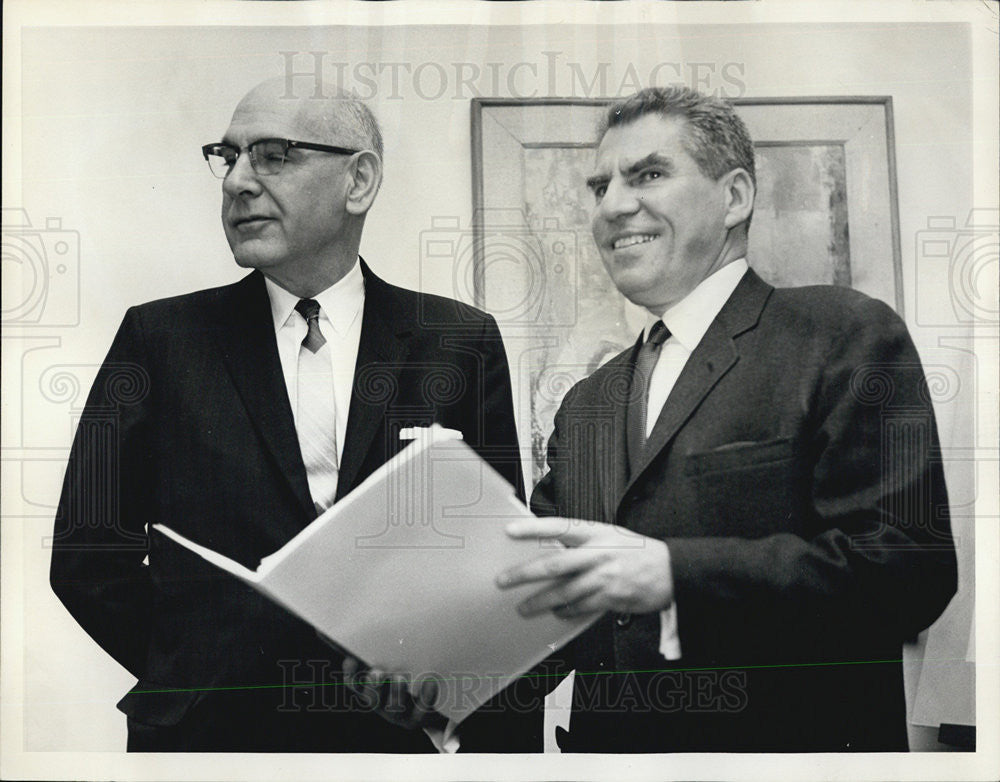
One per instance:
(112, 122)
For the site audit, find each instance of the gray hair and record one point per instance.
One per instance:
(360, 124)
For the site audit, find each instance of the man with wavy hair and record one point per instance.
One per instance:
(772, 521)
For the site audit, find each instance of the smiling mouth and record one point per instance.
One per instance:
(631, 241)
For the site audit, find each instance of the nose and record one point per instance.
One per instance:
(619, 200)
(241, 179)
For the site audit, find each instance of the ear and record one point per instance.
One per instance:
(739, 193)
(365, 179)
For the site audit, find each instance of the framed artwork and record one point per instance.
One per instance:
(826, 212)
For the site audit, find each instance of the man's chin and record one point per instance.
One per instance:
(633, 287)
(643, 295)
(246, 263)
(250, 260)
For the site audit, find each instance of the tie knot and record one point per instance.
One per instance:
(308, 308)
(658, 334)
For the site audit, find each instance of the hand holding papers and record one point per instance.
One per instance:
(391, 697)
(401, 574)
(603, 567)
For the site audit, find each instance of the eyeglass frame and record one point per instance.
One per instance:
(289, 144)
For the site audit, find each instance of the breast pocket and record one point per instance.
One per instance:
(745, 489)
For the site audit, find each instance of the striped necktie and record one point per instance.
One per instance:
(635, 415)
(316, 410)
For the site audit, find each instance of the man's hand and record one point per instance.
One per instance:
(601, 568)
(389, 696)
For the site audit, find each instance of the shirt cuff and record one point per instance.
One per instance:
(445, 740)
(670, 641)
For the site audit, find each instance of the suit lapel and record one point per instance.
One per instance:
(250, 353)
(714, 356)
(384, 332)
(622, 366)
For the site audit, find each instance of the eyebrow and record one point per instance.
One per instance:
(229, 142)
(652, 159)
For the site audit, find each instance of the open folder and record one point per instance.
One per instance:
(400, 574)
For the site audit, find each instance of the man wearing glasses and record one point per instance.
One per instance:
(255, 406)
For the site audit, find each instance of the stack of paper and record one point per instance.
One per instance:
(400, 574)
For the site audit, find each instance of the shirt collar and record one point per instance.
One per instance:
(689, 319)
(339, 304)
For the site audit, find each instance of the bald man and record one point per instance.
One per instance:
(235, 415)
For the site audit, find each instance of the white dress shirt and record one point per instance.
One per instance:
(340, 316)
(687, 320)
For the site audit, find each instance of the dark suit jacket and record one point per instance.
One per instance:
(189, 424)
(795, 476)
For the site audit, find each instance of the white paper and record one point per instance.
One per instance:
(400, 573)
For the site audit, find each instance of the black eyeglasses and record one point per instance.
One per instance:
(267, 155)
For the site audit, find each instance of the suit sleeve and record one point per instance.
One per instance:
(99, 542)
(496, 414)
(551, 671)
(879, 561)
(543, 496)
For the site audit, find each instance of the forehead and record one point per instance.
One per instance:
(263, 115)
(650, 134)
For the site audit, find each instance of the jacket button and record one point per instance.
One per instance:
(623, 620)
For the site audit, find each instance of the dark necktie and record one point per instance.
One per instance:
(635, 415)
(316, 411)
(309, 309)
